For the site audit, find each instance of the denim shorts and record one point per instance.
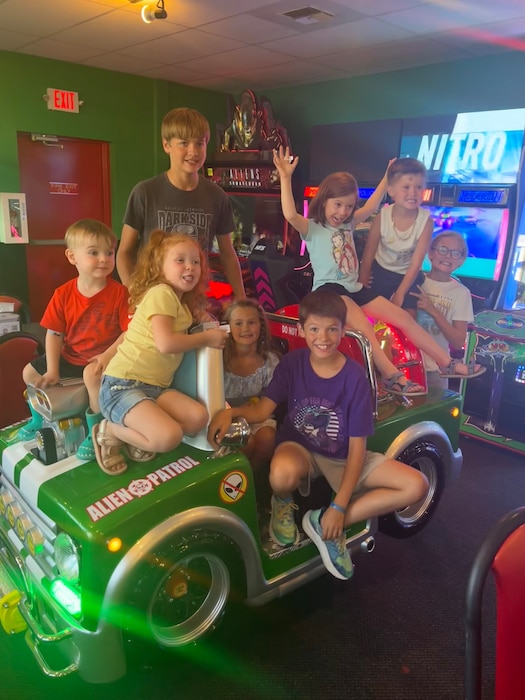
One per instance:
(119, 396)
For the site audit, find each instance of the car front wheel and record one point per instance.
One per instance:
(183, 591)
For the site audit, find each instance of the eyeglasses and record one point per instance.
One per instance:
(454, 254)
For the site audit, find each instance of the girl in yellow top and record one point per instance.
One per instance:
(142, 414)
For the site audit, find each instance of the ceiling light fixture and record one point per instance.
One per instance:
(151, 11)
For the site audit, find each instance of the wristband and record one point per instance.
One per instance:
(338, 508)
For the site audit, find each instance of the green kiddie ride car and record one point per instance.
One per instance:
(88, 560)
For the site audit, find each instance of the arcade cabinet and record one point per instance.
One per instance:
(268, 250)
(474, 163)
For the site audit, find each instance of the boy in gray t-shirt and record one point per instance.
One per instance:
(181, 200)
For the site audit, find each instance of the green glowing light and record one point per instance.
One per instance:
(66, 597)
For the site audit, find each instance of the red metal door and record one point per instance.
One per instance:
(64, 179)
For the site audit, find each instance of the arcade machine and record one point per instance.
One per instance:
(244, 168)
(474, 161)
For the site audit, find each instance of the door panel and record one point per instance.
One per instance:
(63, 182)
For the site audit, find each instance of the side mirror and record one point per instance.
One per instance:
(237, 436)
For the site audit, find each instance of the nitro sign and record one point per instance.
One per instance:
(460, 152)
(469, 147)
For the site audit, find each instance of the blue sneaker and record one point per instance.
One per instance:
(283, 529)
(334, 553)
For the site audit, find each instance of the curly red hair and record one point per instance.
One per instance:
(148, 272)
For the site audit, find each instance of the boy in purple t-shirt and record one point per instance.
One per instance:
(328, 419)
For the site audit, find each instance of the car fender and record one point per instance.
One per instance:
(428, 431)
(208, 518)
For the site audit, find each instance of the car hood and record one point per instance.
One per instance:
(79, 495)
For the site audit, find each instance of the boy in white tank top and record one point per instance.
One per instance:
(399, 237)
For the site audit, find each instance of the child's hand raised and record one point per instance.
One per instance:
(392, 160)
(284, 162)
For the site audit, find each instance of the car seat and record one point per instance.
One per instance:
(16, 350)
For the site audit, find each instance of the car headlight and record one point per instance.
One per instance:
(67, 558)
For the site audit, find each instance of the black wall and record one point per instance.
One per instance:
(361, 148)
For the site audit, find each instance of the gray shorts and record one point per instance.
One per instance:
(333, 469)
(65, 369)
(118, 396)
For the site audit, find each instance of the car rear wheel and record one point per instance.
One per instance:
(427, 458)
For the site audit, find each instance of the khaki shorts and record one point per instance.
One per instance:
(333, 469)
(268, 423)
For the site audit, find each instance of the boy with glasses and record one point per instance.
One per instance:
(444, 304)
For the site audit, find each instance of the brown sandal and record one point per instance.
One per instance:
(107, 450)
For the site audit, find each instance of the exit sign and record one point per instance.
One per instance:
(62, 100)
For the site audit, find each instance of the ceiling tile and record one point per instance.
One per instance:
(9, 41)
(488, 38)
(248, 58)
(385, 55)
(114, 32)
(373, 8)
(36, 18)
(249, 29)
(60, 50)
(431, 18)
(352, 35)
(183, 46)
(120, 63)
(274, 12)
(177, 73)
(193, 14)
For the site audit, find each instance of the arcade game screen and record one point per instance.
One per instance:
(485, 232)
(255, 217)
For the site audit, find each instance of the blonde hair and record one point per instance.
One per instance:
(442, 235)
(89, 228)
(264, 342)
(333, 186)
(148, 272)
(184, 123)
(405, 166)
